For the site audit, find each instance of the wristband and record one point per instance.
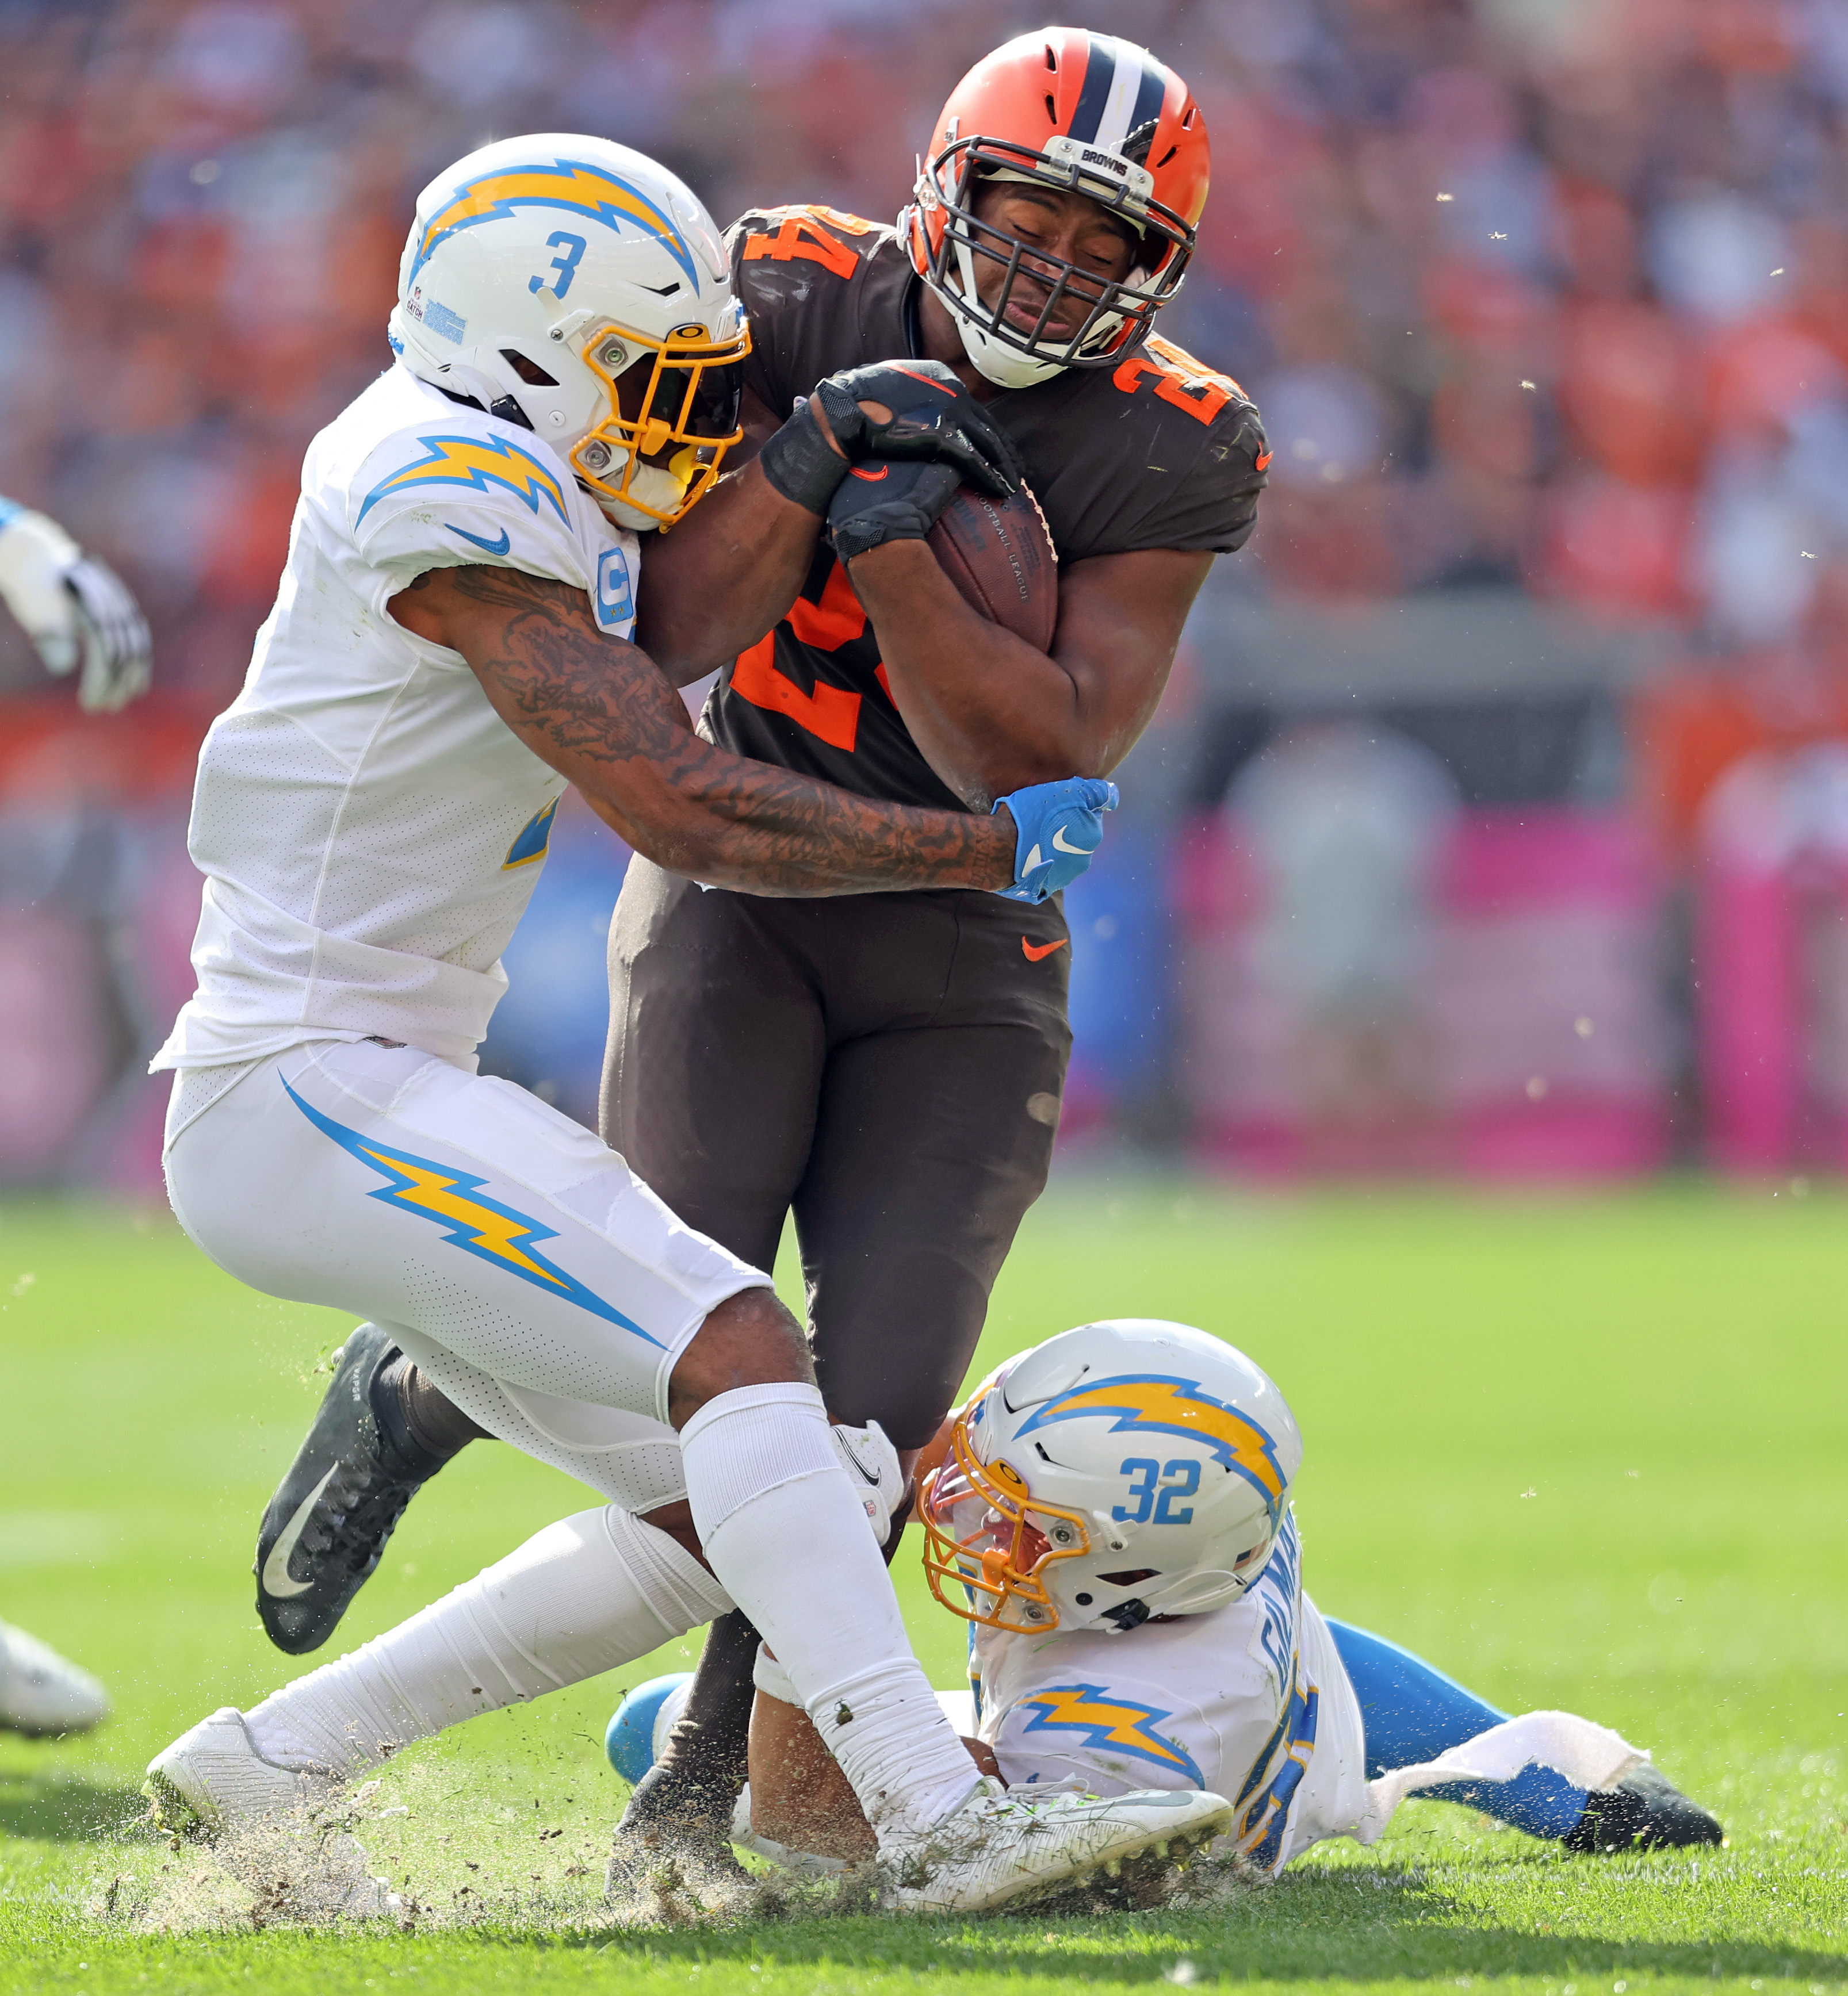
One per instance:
(800, 462)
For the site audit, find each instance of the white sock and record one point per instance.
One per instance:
(586, 1594)
(785, 1531)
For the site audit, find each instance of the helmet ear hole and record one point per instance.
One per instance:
(529, 371)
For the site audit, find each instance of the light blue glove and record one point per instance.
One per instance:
(1057, 828)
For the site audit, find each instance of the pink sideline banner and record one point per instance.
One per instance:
(1528, 1040)
(1772, 961)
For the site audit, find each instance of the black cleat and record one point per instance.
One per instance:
(1644, 1812)
(677, 1822)
(340, 1501)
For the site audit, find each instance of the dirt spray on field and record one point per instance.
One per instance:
(309, 1868)
(302, 1871)
(448, 1854)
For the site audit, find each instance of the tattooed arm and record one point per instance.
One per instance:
(601, 713)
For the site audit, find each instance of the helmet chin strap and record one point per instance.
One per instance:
(1006, 366)
(651, 484)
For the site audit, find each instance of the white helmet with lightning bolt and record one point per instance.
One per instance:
(579, 289)
(1124, 1470)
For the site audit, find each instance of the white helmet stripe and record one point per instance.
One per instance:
(1122, 91)
(1126, 86)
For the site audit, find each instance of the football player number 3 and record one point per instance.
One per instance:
(1184, 1480)
(564, 266)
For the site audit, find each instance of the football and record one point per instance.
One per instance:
(999, 554)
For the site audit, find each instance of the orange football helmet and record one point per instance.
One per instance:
(1085, 114)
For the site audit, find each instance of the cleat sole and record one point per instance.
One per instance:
(1126, 1877)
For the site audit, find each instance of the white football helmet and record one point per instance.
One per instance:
(1120, 1470)
(538, 271)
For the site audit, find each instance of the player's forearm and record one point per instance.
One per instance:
(600, 713)
(799, 1796)
(726, 575)
(731, 822)
(988, 712)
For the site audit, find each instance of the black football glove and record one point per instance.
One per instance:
(882, 501)
(933, 418)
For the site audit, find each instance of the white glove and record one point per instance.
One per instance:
(74, 605)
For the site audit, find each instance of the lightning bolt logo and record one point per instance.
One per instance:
(570, 184)
(1157, 1404)
(535, 836)
(480, 1226)
(479, 462)
(1116, 1723)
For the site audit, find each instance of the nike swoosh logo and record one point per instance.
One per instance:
(1061, 844)
(499, 546)
(1044, 950)
(1034, 859)
(871, 477)
(911, 374)
(275, 1582)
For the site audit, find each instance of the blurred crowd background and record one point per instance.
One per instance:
(1497, 818)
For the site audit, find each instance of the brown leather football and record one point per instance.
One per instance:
(998, 553)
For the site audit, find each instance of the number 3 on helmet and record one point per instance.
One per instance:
(1120, 1470)
(1083, 114)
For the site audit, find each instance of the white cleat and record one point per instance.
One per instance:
(213, 1780)
(1002, 1847)
(43, 1693)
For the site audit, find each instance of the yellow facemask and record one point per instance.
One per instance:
(691, 399)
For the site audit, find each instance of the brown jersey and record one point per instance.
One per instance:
(1157, 451)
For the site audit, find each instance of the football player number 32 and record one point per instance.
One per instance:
(1184, 1479)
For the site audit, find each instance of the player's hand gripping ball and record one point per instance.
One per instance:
(888, 500)
(930, 415)
(1057, 828)
(910, 411)
(997, 552)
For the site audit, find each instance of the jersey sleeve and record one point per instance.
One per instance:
(798, 271)
(460, 491)
(1207, 422)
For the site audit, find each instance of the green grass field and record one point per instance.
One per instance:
(1587, 1453)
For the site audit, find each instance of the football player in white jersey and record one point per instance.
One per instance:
(1111, 1513)
(76, 610)
(449, 649)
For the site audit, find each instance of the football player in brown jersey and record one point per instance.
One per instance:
(889, 1068)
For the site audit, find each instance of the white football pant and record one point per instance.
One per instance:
(526, 1269)
(515, 1256)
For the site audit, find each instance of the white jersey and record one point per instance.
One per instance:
(1250, 1701)
(370, 828)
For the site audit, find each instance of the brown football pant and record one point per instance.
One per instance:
(888, 1066)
